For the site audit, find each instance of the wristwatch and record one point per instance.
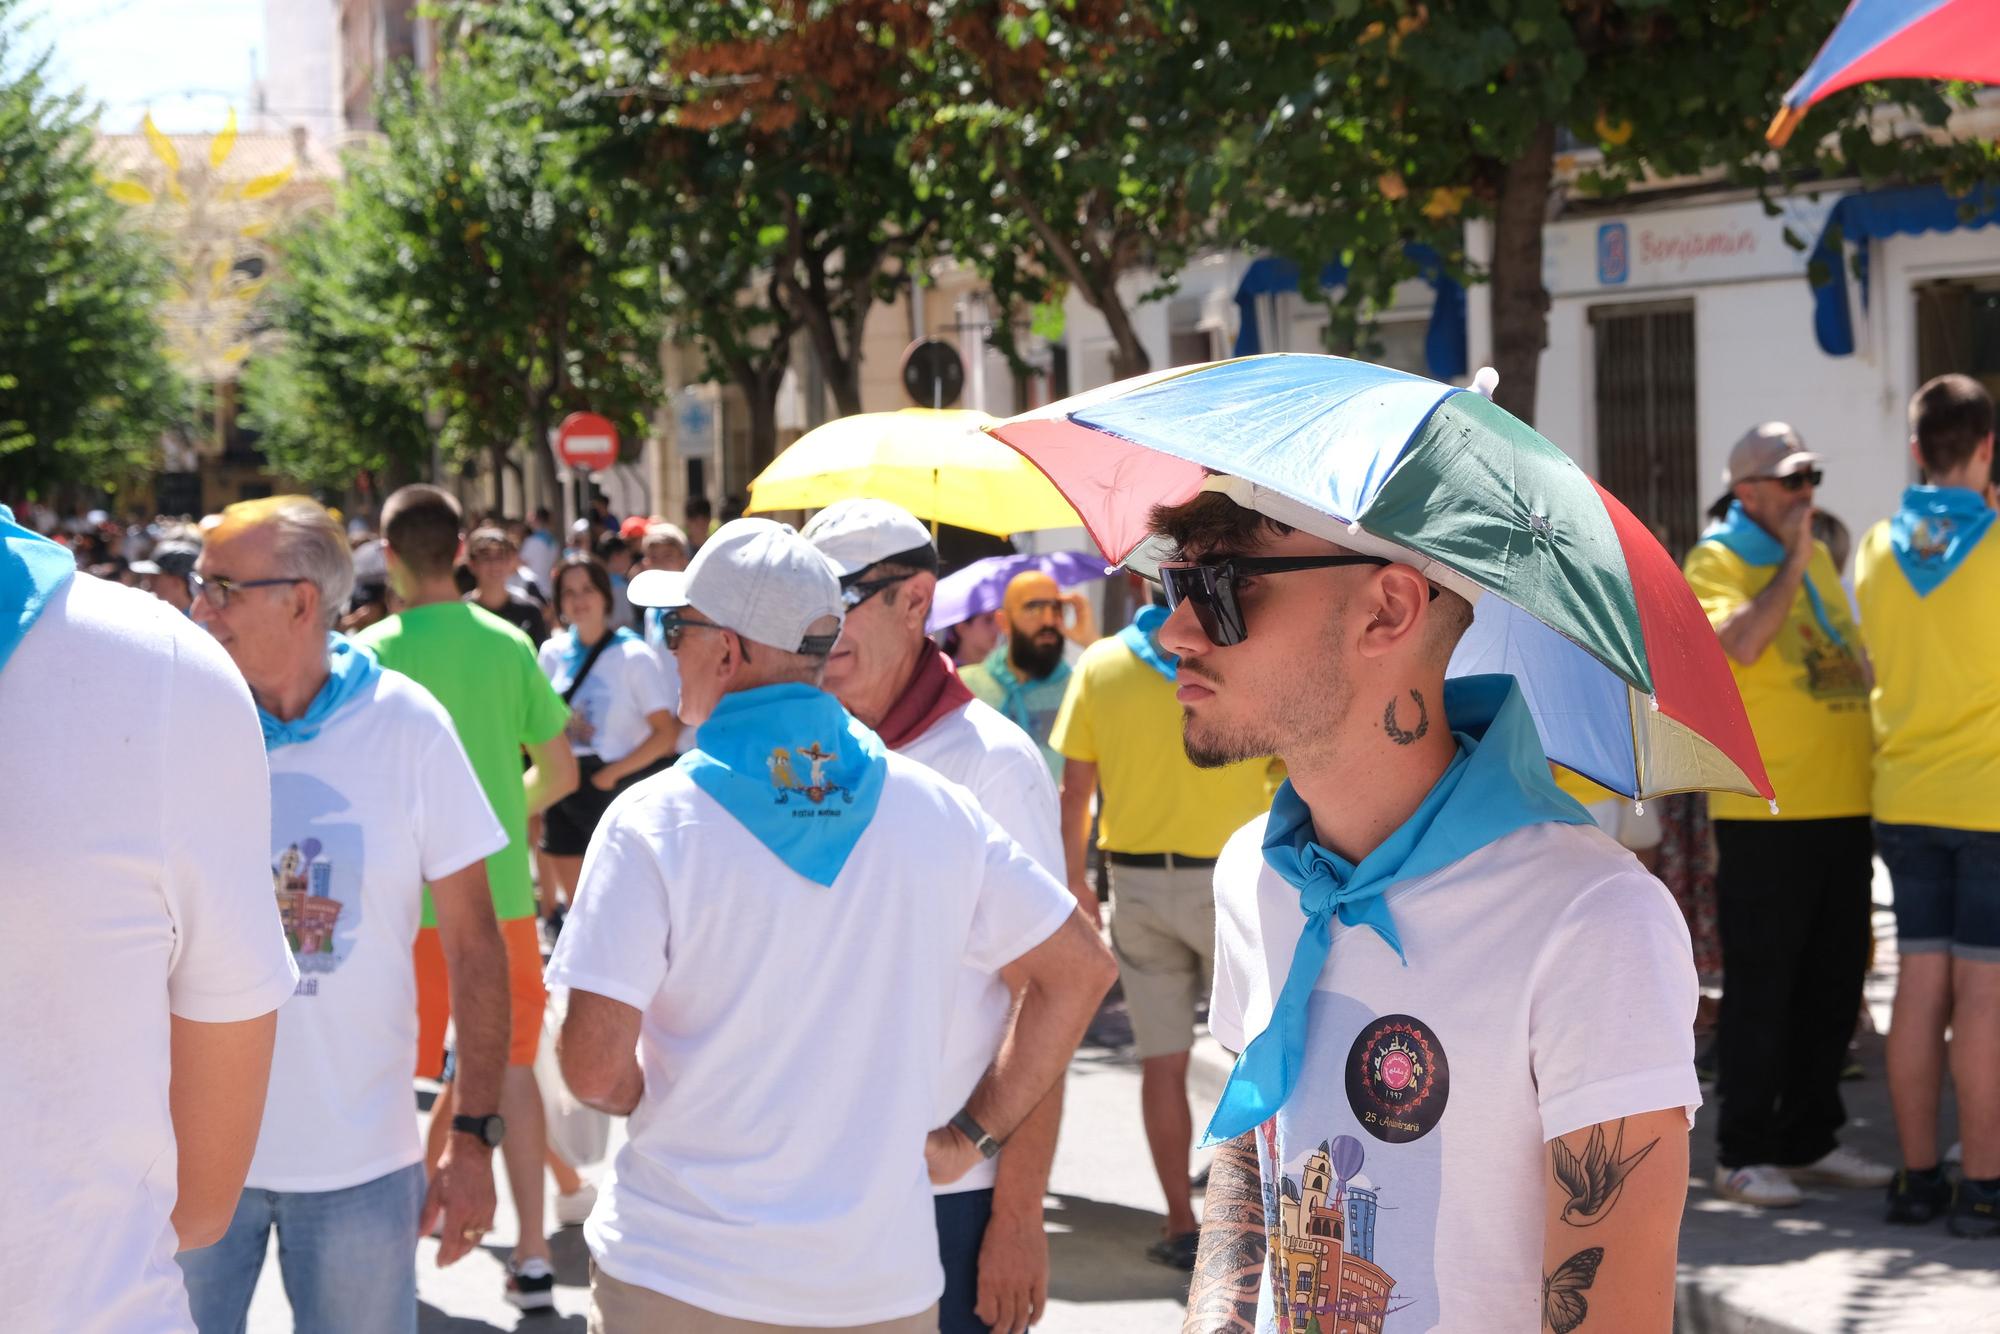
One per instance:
(988, 1146)
(488, 1130)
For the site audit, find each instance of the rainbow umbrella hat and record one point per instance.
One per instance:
(1572, 595)
(1897, 39)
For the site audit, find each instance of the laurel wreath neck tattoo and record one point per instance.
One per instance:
(1397, 734)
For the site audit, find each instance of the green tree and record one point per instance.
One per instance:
(85, 386)
(1393, 122)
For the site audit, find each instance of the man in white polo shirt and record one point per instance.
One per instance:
(371, 796)
(770, 941)
(891, 677)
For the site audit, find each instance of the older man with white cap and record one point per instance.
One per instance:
(770, 941)
(890, 676)
(1792, 883)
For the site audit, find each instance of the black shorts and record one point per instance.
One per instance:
(569, 823)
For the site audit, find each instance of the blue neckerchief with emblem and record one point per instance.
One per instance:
(350, 670)
(795, 770)
(575, 651)
(1014, 687)
(1935, 530)
(32, 571)
(1142, 638)
(1499, 782)
(1743, 535)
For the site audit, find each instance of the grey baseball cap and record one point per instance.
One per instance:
(758, 578)
(855, 534)
(1771, 450)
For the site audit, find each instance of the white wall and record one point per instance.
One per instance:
(299, 84)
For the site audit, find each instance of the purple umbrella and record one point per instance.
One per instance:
(982, 586)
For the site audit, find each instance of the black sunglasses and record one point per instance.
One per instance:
(854, 594)
(672, 624)
(1211, 587)
(1798, 481)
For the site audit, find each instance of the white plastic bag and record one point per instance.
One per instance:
(577, 1133)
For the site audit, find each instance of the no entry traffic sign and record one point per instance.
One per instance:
(587, 442)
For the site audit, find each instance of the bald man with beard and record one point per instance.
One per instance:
(1025, 677)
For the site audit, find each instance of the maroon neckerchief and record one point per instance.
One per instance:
(933, 691)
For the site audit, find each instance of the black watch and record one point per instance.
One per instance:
(488, 1130)
(988, 1146)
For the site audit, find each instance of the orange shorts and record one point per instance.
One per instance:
(524, 989)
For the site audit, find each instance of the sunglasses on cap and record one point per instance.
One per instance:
(1798, 481)
(1210, 586)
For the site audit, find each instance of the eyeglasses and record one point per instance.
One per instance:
(1211, 586)
(854, 594)
(671, 626)
(1798, 481)
(220, 588)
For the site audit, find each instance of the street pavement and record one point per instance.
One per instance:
(1831, 1266)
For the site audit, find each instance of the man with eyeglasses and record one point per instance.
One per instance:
(1792, 882)
(769, 946)
(887, 673)
(1161, 822)
(1026, 677)
(1464, 1013)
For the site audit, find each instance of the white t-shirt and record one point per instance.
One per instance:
(607, 715)
(380, 802)
(792, 1041)
(538, 554)
(977, 748)
(1550, 986)
(132, 860)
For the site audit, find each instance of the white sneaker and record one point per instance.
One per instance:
(1845, 1167)
(572, 1209)
(1760, 1184)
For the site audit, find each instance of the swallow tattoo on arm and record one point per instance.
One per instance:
(1595, 1180)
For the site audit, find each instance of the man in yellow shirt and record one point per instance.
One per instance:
(1928, 581)
(1161, 823)
(1792, 882)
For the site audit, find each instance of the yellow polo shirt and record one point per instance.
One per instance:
(1121, 716)
(1936, 702)
(1807, 696)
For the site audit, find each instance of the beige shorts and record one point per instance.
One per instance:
(1163, 932)
(618, 1307)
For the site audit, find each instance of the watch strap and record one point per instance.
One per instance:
(988, 1146)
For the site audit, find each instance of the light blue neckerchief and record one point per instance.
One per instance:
(577, 650)
(790, 765)
(1014, 688)
(1935, 530)
(1140, 637)
(350, 670)
(1499, 782)
(33, 570)
(1740, 533)
(656, 628)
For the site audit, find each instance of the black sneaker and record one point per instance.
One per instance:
(1975, 1211)
(1918, 1197)
(531, 1285)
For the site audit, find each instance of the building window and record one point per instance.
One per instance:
(1958, 330)
(1644, 380)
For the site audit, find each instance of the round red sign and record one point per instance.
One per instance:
(587, 442)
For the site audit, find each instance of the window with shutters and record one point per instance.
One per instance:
(1645, 387)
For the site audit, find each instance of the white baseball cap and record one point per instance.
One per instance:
(855, 534)
(758, 578)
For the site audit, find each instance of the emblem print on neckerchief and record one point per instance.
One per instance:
(1934, 531)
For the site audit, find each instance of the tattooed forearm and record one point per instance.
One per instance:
(1397, 734)
(1229, 1263)
(1595, 1178)
(1564, 1306)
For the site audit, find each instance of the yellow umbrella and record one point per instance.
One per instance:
(936, 464)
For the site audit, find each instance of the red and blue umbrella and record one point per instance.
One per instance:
(1573, 596)
(1897, 39)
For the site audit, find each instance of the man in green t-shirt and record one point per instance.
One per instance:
(484, 673)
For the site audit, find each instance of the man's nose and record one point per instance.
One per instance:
(1181, 633)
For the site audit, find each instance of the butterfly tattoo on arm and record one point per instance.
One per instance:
(1563, 1303)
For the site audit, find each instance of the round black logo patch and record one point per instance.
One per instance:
(1397, 1078)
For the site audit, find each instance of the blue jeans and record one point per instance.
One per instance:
(961, 1227)
(1947, 886)
(348, 1258)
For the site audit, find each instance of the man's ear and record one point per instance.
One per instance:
(920, 591)
(1398, 603)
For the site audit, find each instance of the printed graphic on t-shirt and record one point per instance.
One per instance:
(1832, 671)
(316, 874)
(1352, 1179)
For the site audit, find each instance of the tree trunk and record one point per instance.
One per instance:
(1129, 357)
(762, 393)
(1520, 302)
(543, 451)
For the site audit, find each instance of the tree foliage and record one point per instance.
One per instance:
(85, 385)
(1389, 123)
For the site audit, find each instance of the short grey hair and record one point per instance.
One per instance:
(309, 544)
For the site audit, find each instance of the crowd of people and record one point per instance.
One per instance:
(808, 888)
